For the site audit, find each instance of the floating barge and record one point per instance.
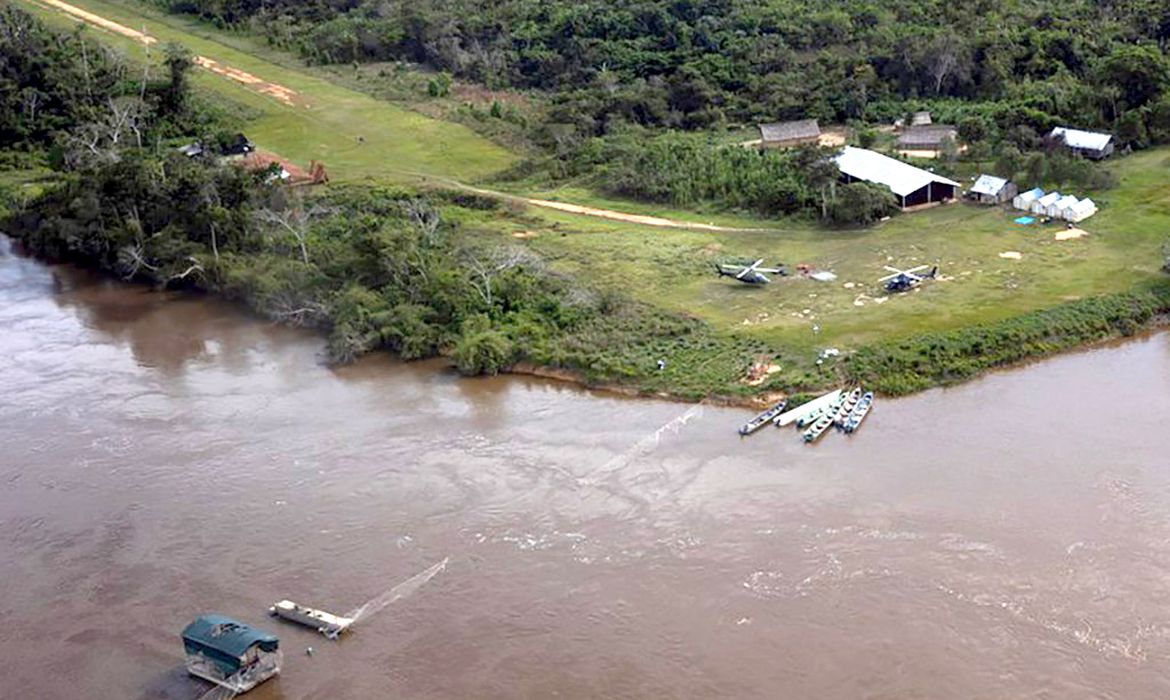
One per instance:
(762, 419)
(230, 654)
(326, 623)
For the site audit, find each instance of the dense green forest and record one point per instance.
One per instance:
(693, 63)
(374, 268)
(614, 80)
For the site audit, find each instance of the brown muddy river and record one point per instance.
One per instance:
(166, 456)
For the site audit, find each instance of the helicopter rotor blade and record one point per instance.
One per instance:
(750, 268)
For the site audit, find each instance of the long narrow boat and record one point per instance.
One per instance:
(762, 419)
(851, 401)
(859, 412)
(326, 623)
(824, 420)
(792, 415)
(818, 429)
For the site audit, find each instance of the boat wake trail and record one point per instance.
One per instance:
(409, 586)
(643, 447)
(218, 692)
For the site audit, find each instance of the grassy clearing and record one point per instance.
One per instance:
(397, 143)
(673, 269)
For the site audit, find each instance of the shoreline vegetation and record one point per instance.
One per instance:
(89, 174)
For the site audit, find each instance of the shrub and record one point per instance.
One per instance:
(483, 352)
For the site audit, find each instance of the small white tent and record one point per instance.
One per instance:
(1080, 211)
(1040, 206)
(1056, 209)
(1023, 201)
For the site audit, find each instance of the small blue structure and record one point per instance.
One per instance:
(230, 653)
(1024, 220)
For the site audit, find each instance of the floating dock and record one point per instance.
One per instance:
(326, 623)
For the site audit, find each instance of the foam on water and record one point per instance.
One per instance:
(408, 587)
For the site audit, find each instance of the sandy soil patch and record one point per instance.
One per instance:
(628, 218)
(100, 21)
(259, 160)
(278, 92)
(1070, 233)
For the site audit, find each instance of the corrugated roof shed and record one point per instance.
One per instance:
(920, 119)
(989, 185)
(789, 131)
(901, 178)
(1076, 138)
(926, 136)
(227, 636)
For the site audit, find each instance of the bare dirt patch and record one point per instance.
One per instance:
(1070, 233)
(278, 92)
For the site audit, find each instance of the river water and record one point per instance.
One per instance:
(162, 456)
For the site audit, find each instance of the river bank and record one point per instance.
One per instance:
(168, 455)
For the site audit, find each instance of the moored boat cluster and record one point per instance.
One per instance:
(844, 410)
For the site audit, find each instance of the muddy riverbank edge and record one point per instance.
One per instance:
(1072, 327)
(899, 367)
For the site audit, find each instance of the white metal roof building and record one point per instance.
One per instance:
(1024, 200)
(1040, 206)
(989, 185)
(1056, 209)
(911, 185)
(1080, 211)
(1092, 144)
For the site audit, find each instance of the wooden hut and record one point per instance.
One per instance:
(926, 141)
(789, 134)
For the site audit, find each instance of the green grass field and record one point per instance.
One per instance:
(397, 144)
(673, 269)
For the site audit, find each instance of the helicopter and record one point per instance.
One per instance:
(750, 274)
(905, 280)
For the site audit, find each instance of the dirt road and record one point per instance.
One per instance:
(291, 98)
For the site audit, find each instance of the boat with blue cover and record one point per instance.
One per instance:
(229, 653)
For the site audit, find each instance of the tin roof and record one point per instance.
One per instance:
(1049, 198)
(901, 178)
(1076, 138)
(226, 635)
(1031, 195)
(989, 185)
(787, 131)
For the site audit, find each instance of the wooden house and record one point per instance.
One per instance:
(789, 134)
(926, 141)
